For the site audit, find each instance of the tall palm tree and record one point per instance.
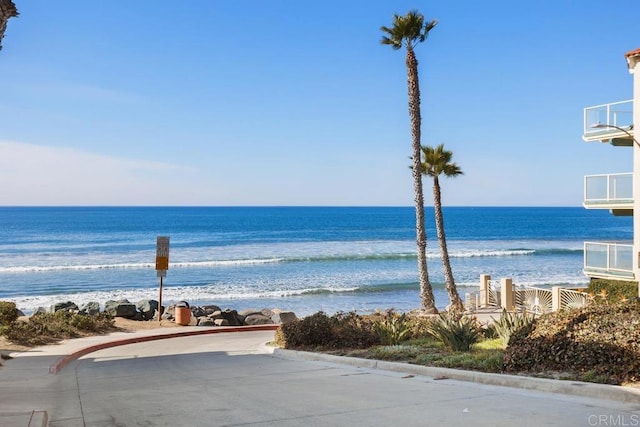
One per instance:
(437, 161)
(7, 10)
(408, 31)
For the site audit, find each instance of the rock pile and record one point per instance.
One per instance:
(208, 315)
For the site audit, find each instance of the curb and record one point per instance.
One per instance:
(39, 418)
(546, 385)
(64, 360)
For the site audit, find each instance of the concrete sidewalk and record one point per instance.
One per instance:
(25, 377)
(72, 383)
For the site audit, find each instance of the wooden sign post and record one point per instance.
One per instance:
(162, 265)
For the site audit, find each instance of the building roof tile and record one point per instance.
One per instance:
(635, 52)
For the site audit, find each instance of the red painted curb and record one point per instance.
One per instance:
(64, 360)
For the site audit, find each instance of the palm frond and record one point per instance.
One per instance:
(437, 161)
(408, 30)
(7, 10)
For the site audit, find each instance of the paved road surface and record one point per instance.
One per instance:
(231, 380)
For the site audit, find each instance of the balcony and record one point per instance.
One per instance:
(616, 115)
(610, 191)
(608, 260)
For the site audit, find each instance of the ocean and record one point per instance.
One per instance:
(304, 259)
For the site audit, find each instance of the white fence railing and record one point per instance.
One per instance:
(534, 300)
(570, 298)
(524, 298)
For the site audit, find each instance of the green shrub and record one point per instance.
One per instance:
(612, 291)
(595, 342)
(8, 312)
(353, 331)
(342, 330)
(45, 328)
(456, 335)
(392, 328)
(509, 323)
(489, 331)
(92, 323)
(314, 330)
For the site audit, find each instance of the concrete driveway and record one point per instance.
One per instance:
(232, 379)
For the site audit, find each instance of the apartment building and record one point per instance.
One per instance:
(619, 192)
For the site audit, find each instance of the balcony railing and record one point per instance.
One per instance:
(618, 114)
(608, 191)
(608, 259)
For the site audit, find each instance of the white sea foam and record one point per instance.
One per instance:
(456, 253)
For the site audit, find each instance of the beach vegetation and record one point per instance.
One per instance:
(8, 313)
(46, 328)
(456, 333)
(319, 330)
(436, 162)
(477, 359)
(484, 356)
(408, 31)
(600, 341)
(512, 322)
(604, 291)
(392, 328)
(489, 330)
(397, 352)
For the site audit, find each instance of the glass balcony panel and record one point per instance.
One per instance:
(615, 259)
(621, 257)
(615, 114)
(596, 256)
(608, 189)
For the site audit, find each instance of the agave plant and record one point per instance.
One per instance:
(511, 322)
(393, 328)
(455, 333)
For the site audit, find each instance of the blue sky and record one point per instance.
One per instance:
(241, 102)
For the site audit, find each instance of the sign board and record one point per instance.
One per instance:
(162, 254)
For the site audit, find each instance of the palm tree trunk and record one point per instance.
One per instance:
(456, 308)
(426, 292)
(7, 10)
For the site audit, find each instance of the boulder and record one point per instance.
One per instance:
(198, 312)
(215, 315)
(121, 308)
(66, 306)
(205, 321)
(147, 308)
(249, 311)
(209, 309)
(257, 319)
(284, 317)
(221, 322)
(91, 308)
(232, 317)
(169, 312)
